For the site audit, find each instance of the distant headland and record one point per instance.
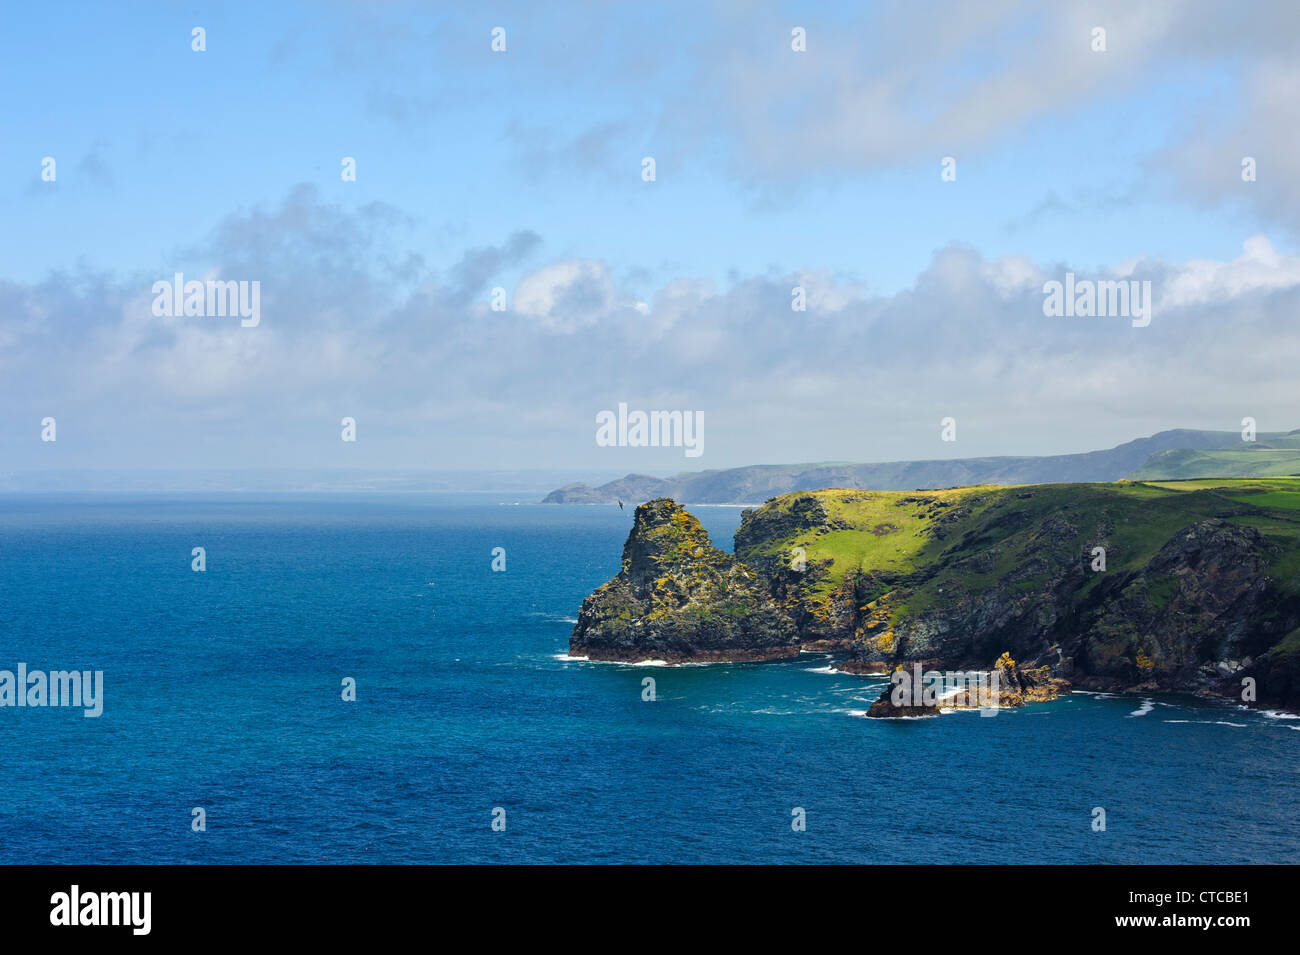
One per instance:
(1168, 455)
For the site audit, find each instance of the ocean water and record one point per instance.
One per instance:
(222, 690)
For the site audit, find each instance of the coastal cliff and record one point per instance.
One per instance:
(678, 598)
(1186, 586)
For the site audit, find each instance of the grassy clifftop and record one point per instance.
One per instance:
(924, 535)
(1169, 584)
(1249, 463)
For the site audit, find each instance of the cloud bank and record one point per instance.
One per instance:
(355, 324)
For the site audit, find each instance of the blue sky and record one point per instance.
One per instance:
(770, 164)
(159, 143)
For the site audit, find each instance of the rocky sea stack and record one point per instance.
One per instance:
(1139, 587)
(1005, 686)
(678, 598)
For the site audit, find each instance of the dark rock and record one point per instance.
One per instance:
(679, 598)
(1005, 685)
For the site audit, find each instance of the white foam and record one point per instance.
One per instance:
(1147, 707)
(690, 663)
(1276, 714)
(952, 693)
(615, 663)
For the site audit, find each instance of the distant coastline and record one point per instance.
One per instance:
(1168, 455)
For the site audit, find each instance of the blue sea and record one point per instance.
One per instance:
(223, 690)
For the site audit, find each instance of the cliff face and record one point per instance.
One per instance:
(1109, 586)
(679, 598)
(1276, 675)
(1203, 597)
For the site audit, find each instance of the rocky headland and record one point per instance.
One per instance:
(1142, 587)
(680, 599)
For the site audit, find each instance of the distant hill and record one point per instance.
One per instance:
(1180, 453)
(1187, 463)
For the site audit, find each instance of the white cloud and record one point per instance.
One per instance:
(1258, 268)
(565, 296)
(1260, 120)
(436, 380)
(918, 80)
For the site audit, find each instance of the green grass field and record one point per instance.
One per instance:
(1239, 463)
(925, 534)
